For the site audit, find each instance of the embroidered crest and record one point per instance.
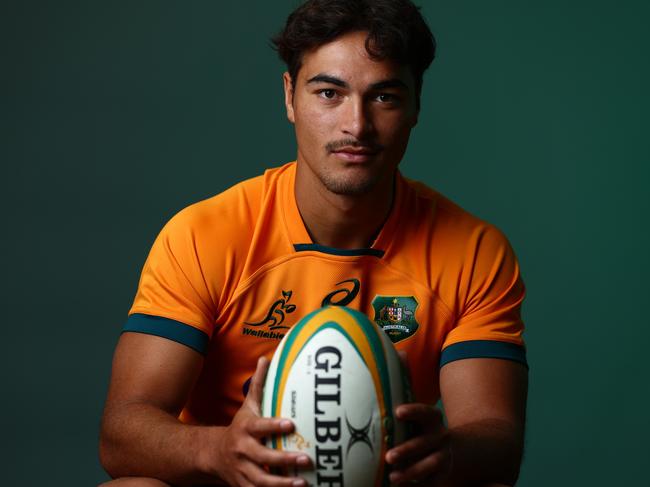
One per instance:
(396, 316)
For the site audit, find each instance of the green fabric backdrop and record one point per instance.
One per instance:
(117, 114)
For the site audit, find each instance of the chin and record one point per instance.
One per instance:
(350, 186)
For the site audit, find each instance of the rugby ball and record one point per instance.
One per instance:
(338, 377)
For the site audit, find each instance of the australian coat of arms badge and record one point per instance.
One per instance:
(396, 316)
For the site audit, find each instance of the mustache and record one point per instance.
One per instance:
(339, 144)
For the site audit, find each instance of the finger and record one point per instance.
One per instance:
(242, 481)
(437, 463)
(261, 478)
(278, 458)
(261, 427)
(416, 448)
(254, 397)
(423, 414)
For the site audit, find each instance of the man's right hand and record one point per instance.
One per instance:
(142, 437)
(241, 454)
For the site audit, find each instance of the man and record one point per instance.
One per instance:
(227, 277)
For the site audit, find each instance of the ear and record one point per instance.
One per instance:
(415, 115)
(288, 96)
(414, 118)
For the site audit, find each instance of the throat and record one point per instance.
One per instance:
(344, 222)
(345, 235)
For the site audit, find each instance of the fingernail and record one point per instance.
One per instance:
(394, 477)
(298, 483)
(285, 424)
(302, 460)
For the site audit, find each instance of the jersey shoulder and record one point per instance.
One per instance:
(201, 254)
(449, 225)
(453, 248)
(232, 214)
(236, 206)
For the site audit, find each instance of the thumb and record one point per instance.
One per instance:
(254, 397)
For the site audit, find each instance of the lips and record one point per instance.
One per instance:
(355, 154)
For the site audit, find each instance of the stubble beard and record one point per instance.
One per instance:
(349, 185)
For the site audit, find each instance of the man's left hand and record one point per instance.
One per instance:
(425, 458)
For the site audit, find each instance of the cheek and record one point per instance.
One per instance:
(313, 127)
(395, 130)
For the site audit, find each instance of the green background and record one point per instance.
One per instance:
(117, 114)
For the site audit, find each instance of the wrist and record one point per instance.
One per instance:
(484, 454)
(210, 451)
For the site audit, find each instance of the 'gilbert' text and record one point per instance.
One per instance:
(327, 425)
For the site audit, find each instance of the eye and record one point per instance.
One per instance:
(327, 93)
(386, 98)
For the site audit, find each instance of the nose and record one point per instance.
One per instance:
(356, 119)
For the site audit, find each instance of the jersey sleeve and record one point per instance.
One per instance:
(490, 295)
(173, 299)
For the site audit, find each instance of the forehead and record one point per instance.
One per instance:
(346, 58)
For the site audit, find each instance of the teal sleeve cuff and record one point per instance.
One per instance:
(171, 329)
(483, 349)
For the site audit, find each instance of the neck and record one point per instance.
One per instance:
(343, 221)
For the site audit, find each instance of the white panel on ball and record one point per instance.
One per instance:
(337, 376)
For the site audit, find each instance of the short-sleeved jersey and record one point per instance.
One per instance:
(229, 276)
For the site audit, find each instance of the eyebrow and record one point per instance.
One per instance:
(324, 78)
(389, 83)
(380, 85)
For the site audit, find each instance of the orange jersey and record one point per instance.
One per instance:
(230, 275)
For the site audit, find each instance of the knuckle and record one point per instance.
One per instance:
(261, 478)
(287, 460)
(276, 459)
(265, 456)
(239, 448)
(245, 424)
(433, 461)
(424, 442)
(251, 426)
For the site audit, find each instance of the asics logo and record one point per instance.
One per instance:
(344, 296)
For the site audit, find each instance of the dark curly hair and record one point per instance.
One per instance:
(396, 31)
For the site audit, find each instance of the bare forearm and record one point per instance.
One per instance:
(141, 440)
(486, 452)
